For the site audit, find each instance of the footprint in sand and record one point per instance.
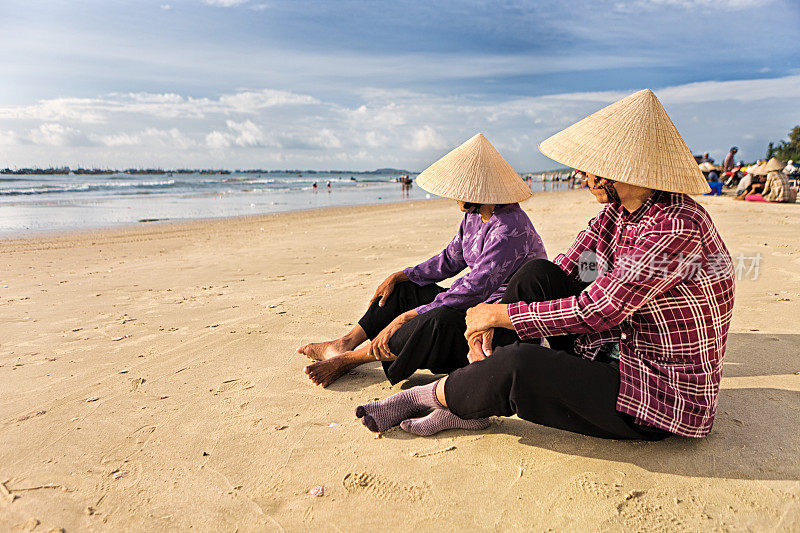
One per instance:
(231, 384)
(598, 484)
(383, 489)
(136, 383)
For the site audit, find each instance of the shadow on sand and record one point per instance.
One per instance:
(756, 432)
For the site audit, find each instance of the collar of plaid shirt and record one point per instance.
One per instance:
(664, 291)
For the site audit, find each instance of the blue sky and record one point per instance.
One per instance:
(361, 85)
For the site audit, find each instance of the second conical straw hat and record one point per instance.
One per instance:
(632, 141)
(474, 172)
(774, 164)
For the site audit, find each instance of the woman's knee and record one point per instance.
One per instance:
(529, 281)
(444, 316)
(403, 287)
(440, 322)
(518, 358)
(536, 267)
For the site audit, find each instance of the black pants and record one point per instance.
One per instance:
(548, 386)
(433, 340)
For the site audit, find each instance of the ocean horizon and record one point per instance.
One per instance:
(36, 203)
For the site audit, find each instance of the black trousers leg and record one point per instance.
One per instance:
(406, 295)
(433, 341)
(549, 387)
(538, 280)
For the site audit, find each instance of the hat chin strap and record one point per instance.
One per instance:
(611, 193)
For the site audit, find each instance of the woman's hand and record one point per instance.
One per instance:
(487, 316)
(386, 287)
(379, 347)
(480, 345)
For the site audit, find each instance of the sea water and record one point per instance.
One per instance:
(35, 203)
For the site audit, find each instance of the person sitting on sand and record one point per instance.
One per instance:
(495, 238)
(755, 183)
(776, 188)
(636, 354)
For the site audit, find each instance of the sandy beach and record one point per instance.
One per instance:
(149, 381)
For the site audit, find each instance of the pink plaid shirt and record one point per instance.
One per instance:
(664, 291)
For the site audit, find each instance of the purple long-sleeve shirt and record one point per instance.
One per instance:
(493, 250)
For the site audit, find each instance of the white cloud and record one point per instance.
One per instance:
(218, 139)
(246, 133)
(84, 110)
(152, 137)
(225, 3)
(166, 7)
(426, 138)
(157, 105)
(381, 128)
(689, 5)
(249, 101)
(52, 134)
(119, 139)
(9, 138)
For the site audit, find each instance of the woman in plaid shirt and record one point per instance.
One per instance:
(636, 312)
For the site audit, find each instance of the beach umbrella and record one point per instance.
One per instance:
(631, 141)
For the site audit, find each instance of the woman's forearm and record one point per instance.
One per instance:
(500, 316)
(486, 316)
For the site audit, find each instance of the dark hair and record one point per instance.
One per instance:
(473, 207)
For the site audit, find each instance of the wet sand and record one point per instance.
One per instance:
(149, 381)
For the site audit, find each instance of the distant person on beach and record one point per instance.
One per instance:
(314, 186)
(753, 182)
(636, 312)
(776, 186)
(790, 168)
(707, 159)
(744, 184)
(494, 239)
(729, 162)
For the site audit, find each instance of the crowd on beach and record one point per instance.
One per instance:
(620, 336)
(769, 180)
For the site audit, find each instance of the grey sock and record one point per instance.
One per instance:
(439, 420)
(384, 414)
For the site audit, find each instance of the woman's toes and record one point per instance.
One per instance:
(370, 423)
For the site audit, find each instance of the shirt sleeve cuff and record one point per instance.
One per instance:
(521, 318)
(413, 276)
(427, 307)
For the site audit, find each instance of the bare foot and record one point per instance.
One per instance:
(321, 351)
(329, 370)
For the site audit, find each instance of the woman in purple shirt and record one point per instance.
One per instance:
(494, 239)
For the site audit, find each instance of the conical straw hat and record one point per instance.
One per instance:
(706, 167)
(774, 164)
(474, 172)
(758, 170)
(632, 141)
